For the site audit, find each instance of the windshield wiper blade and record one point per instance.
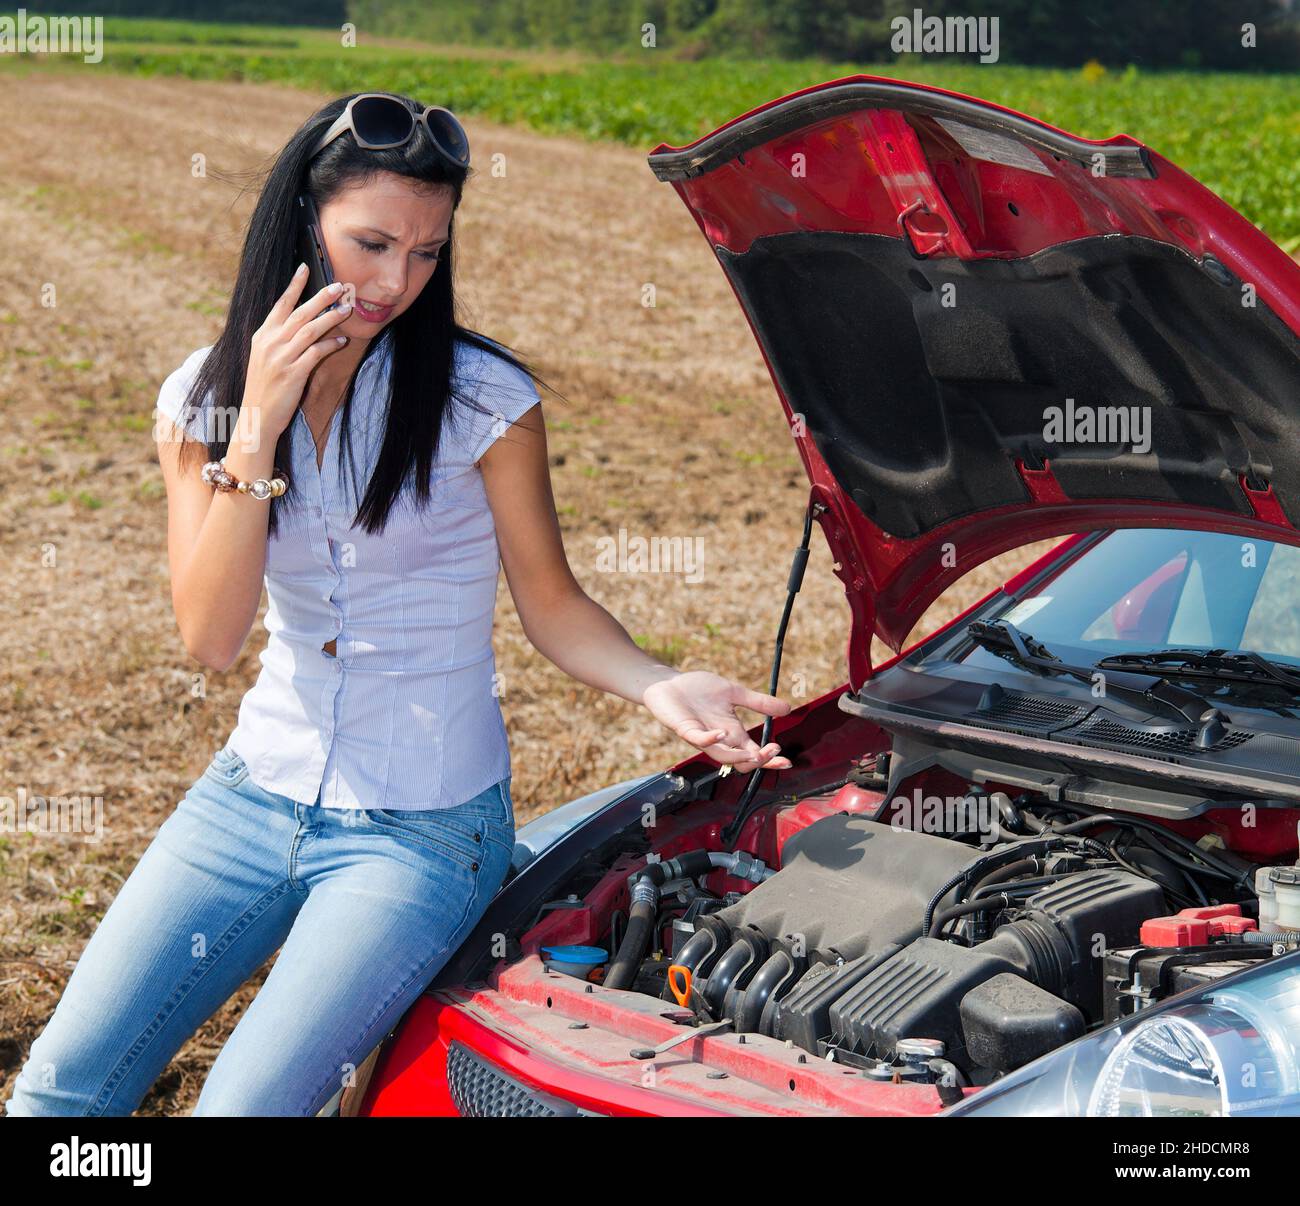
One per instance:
(1215, 665)
(1002, 636)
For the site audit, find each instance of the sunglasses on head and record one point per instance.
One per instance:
(379, 122)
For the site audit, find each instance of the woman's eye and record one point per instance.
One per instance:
(377, 247)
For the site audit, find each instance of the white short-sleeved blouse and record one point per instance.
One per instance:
(407, 714)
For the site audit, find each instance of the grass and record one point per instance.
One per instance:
(1238, 134)
(206, 308)
(668, 651)
(210, 33)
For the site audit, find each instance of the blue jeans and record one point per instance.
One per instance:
(366, 904)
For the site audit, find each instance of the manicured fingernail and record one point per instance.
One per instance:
(300, 269)
(345, 308)
(342, 339)
(336, 288)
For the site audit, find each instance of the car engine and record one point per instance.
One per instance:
(949, 953)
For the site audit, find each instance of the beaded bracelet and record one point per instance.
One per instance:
(217, 475)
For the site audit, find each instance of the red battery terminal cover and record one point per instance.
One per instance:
(1196, 927)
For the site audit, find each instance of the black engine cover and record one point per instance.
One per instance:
(913, 995)
(849, 886)
(1052, 944)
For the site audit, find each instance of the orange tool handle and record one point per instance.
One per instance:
(679, 972)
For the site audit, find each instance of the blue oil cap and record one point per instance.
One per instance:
(575, 954)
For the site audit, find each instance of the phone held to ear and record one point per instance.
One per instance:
(311, 249)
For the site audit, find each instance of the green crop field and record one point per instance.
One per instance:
(1238, 134)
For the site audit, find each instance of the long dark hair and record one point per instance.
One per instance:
(421, 383)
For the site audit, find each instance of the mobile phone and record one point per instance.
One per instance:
(311, 250)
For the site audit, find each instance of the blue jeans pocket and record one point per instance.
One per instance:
(496, 807)
(227, 768)
(461, 830)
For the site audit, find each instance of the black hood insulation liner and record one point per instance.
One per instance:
(920, 408)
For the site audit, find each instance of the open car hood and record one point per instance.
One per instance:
(929, 275)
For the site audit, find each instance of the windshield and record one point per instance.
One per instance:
(1145, 589)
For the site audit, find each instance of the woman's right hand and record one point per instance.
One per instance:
(287, 347)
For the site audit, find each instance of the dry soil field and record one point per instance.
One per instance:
(670, 428)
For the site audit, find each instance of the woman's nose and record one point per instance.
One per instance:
(393, 280)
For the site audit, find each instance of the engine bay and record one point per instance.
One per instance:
(918, 927)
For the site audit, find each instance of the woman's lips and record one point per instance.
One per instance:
(378, 314)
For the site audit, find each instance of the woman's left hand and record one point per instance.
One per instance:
(699, 707)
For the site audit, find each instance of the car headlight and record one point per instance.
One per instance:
(1232, 1049)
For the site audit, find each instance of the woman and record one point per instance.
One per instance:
(359, 818)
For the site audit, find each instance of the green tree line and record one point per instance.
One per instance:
(1218, 34)
(330, 13)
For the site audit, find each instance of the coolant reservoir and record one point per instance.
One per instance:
(1267, 899)
(1286, 890)
(1278, 889)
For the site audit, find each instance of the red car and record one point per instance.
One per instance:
(1044, 861)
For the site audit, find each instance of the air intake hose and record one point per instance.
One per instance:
(645, 901)
(734, 968)
(640, 924)
(776, 977)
